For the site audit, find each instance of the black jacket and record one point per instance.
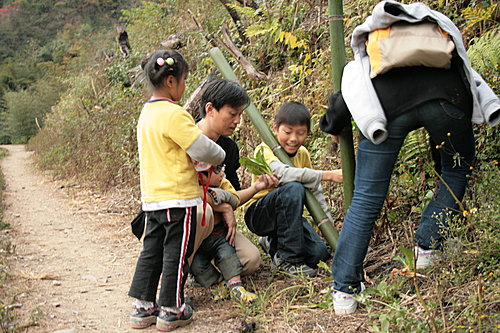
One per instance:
(336, 117)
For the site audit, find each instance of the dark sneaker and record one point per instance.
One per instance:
(265, 244)
(168, 321)
(292, 269)
(142, 317)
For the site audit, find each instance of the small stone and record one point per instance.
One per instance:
(17, 215)
(90, 277)
(69, 330)
(56, 283)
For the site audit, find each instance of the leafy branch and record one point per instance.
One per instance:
(258, 165)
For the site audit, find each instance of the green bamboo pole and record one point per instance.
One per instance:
(319, 216)
(338, 61)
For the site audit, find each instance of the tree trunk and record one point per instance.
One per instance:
(248, 3)
(236, 19)
(335, 9)
(193, 103)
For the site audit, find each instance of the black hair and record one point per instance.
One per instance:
(220, 92)
(293, 113)
(163, 63)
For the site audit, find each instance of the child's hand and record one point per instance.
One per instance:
(266, 181)
(230, 221)
(226, 210)
(333, 175)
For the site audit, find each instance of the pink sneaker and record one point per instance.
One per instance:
(143, 316)
(168, 321)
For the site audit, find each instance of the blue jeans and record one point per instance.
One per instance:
(218, 248)
(373, 173)
(278, 215)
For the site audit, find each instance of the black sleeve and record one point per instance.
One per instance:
(232, 160)
(336, 117)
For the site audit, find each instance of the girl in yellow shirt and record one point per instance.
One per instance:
(168, 141)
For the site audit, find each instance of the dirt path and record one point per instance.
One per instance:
(74, 256)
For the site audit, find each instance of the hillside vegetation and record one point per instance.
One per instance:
(68, 91)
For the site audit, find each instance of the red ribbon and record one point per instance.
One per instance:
(205, 190)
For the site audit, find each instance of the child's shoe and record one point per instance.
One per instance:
(143, 314)
(239, 292)
(168, 320)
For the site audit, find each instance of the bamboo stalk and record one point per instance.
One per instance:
(336, 18)
(319, 216)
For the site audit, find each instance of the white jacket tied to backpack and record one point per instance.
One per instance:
(357, 88)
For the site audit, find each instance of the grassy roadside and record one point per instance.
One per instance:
(7, 315)
(3, 153)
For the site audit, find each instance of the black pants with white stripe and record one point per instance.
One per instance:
(168, 243)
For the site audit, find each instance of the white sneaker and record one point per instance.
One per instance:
(344, 303)
(425, 258)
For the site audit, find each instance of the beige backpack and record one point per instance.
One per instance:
(409, 44)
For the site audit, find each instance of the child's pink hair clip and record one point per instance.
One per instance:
(160, 62)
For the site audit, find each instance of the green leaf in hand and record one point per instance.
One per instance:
(258, 165)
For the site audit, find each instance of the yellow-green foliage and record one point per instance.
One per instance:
(484, 53)
(91, 132)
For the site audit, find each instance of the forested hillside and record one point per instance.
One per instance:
(73, 94)
(42, 42)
